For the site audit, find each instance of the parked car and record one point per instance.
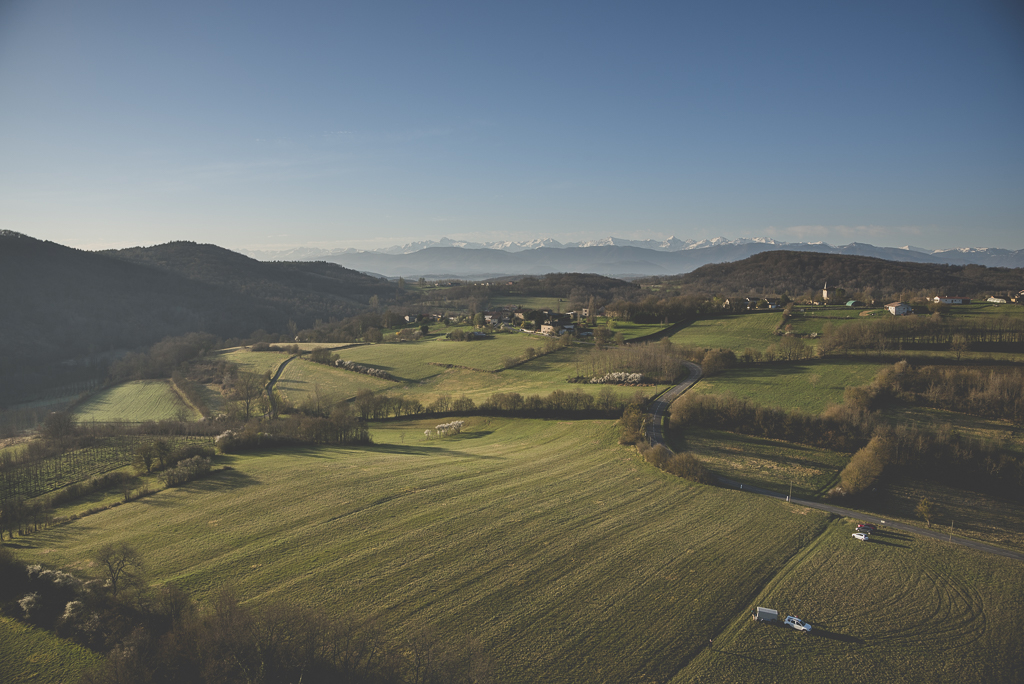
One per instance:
(863, 536)
(867, 525)
(797, 623)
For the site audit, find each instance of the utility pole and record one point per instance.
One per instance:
(951, 531)
(790, 499)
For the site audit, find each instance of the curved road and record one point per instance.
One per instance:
(655, 435)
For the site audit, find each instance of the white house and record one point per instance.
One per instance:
(899, 308)
(996, 300)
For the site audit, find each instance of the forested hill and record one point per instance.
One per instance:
(61, 303)
(309, 289)
(796, 273)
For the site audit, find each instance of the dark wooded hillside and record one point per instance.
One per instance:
(794, 273)
(61, 304)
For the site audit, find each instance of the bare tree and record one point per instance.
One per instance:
(247, 391)
(959, 344)
(122, 566)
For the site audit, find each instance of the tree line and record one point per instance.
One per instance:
(855, 428)
(994, 333)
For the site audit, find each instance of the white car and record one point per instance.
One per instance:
(797, 623)
(863, 536)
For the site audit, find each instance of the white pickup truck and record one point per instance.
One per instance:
(797, 623)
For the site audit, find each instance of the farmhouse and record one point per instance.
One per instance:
(939, 299)
(899, 308)
(547, 329)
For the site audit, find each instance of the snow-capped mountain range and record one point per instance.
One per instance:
(608, 256)
(672, 244)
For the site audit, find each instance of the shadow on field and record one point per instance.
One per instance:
(835, 636)
(476, 434)
(893, 534)
(430, 451)
(742, 655)
(888, 543)
(222, 480)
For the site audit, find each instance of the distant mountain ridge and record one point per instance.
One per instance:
(614, 257)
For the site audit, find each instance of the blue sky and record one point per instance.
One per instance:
(335, 124)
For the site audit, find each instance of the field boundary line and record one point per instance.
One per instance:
(181, 395)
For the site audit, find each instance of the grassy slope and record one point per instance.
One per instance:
(568, 558)
(631, 331)
(810, 386)
(28, 654)
(898, 609)
(735, 332)
(541, 375)
(766, 463)
(134, 401)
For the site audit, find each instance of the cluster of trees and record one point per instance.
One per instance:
(928, 332)
(267, 347)
(187, 470)
(995, 392)
(661, 361)
(164, 637)
(660, 308)
(684, 464)
(841, 428)
(339, 427)
(163, 358)
(876, 446)
(937, 452)
(160, 454)
(577, 403)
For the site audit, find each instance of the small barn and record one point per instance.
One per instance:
(766, 614)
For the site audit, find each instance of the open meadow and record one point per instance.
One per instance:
(561, 552)
(736, 332)
(133, 402)
(810, 386)
(631, 331)
(899, 608)
(425, 381)
(29, 655)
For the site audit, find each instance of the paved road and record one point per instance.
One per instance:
(655, 436)
(659, 409)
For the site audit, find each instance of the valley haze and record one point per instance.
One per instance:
(614, 257)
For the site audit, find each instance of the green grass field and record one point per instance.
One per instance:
(561, 552)
(736, 332)
(899, 608)
(810, 386)
(766, 463)
(631, 331)
(134, 402)
(255, 362)
(425, 381)
(29, 655)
